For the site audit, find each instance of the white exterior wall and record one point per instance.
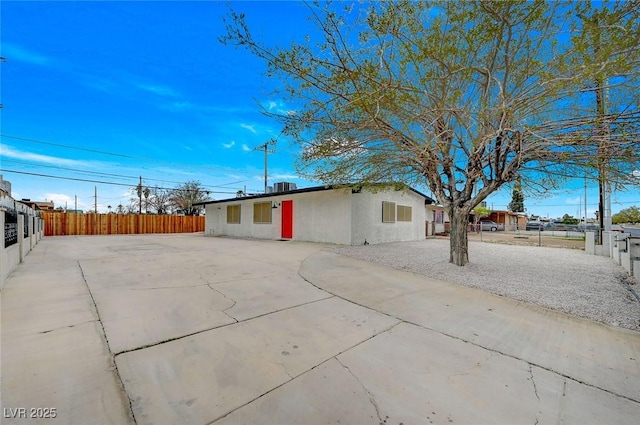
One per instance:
(323, 216)
(367, 217)
(330, 216)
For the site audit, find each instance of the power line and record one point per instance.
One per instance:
(90, 181)
(24, 139)
(97, 173)
(139, 158)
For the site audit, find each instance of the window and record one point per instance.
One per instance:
(262, 212)
(439, 216)
(233, 214)
(404, 213)
(388, 212)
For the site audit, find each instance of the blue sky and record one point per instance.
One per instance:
(110, 91)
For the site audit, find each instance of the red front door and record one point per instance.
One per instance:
(287, 219)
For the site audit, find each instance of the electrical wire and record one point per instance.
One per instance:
(115, 154)
(96, 173)
(92, 181)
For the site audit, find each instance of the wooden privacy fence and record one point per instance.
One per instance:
(59, 224)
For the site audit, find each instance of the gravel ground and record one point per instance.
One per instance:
(562, 279)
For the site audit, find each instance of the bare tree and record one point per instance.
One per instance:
(160, 200)
(463, 97)
(186, 195)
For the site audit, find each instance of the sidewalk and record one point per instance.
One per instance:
(186, 329)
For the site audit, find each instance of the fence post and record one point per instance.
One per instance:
(3, 251)
(21, 235)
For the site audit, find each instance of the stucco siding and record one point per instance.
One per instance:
(367, 217)
(330, 216)
(323, 216)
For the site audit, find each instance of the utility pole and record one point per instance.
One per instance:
(140, 196)
(264, 147)
(95, 199)
(76, 204)
(604, 186)
(585, 202)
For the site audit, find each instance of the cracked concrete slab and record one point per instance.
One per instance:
(138, 318)
(599, 355)
(416, 375)
(327, 394)
(565, 401)
(201, 378)
(64, 304)
(257, 297)
(68, 369)
(299, 354)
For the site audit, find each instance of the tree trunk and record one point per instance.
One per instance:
(459, 244)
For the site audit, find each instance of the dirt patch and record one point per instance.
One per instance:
(528, 239)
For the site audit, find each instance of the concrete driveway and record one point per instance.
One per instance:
(184, 329)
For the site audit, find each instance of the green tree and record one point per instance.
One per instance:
(186, 195)
(479, 213)
(517, 198)
(606, 40)
(456, 96)
(569, 219)
(628, 215)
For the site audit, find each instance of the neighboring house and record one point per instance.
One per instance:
(340, 215)
(511, 221)
(5, 187)
(437, 219)
(39, 205)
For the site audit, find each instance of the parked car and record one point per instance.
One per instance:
(491, 225)
(534, 225)
(556, 225)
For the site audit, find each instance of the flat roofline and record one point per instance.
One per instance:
(428, 200)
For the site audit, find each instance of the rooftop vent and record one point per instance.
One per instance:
(284, 187)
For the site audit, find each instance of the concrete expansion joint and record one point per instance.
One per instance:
(372, 399)
(67, 327)
(548, 369)
(467, 341)
(164, 341)
(114, 366)
(166, 287)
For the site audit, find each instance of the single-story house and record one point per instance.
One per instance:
(437, 219)
(511, 220)
(331, 214)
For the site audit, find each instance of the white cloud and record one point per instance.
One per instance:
(18, 53)
(246, 148)
(61, 200)
(285, 176)
(181, 106)
(228, 145)
(158, 90)
(573, 201)
(9, 152)
(248, 127)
